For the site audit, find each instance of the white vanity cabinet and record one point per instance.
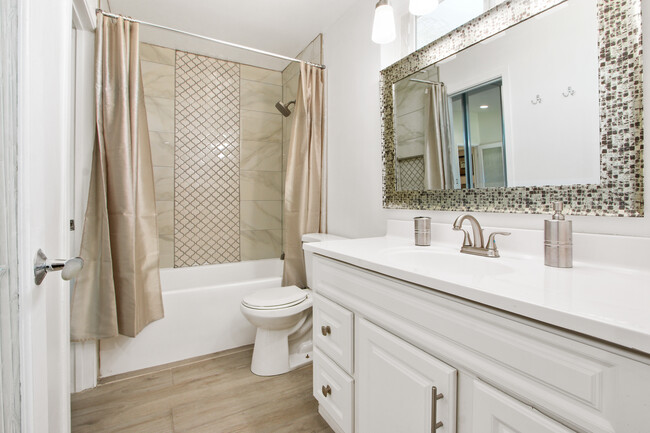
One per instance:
(399, 387)
(391, 346)
(496, 412)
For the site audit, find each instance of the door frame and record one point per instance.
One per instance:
(44, 143)
(84, 358)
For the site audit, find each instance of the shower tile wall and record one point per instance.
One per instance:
(227, 208)
(409, 134)
(261, 164)
(158, 72)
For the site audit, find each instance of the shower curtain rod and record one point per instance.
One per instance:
(425, 81)
(230, 44)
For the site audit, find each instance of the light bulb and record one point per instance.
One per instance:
(422, 7)
(383, 27)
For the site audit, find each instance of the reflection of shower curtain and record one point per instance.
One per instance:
(437, 139)
(302, 190)
(118, 290)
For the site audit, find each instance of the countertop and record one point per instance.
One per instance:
(608, 303)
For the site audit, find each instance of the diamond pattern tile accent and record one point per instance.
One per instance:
(411, 174)
(206, 166)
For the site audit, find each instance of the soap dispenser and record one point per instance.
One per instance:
(558, 239)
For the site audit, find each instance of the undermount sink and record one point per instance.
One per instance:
(422, 259)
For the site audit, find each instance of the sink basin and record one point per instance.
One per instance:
(427, 260)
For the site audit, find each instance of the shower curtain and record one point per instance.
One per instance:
(302, 188)
(437, 139)
(118, 290)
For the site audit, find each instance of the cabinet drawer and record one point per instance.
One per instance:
(333, 331)
(334, 390)
(496, 412)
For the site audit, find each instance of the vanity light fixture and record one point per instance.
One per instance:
(422, 7)
(383, 26)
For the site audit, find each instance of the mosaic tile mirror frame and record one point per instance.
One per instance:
(620, 192)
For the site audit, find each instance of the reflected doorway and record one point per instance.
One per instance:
(478, 138)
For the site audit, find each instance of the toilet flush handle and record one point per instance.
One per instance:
(325, 330)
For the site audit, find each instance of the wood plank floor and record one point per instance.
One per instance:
(218, 394)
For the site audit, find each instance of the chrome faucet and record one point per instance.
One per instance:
(474, 244)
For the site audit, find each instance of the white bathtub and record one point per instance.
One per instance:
(201, 316)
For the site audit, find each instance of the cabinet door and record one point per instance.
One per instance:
(496, 412)
(397, 384)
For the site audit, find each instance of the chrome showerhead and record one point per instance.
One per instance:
(284, 108)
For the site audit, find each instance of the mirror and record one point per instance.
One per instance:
(517, 109)
(529, 103)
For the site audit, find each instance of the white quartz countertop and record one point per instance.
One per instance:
(608, 303)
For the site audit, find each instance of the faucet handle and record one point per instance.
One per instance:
(492, 244)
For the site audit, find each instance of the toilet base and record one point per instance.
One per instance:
(271, 353)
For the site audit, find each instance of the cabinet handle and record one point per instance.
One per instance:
(325, 330)
(326, 390)
(434, 413)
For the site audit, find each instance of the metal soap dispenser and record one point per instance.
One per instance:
(558, 240)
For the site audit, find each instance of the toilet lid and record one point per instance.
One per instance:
(277, 297)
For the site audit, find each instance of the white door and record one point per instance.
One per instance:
(397, 383)
(495, 412)
(44, 197)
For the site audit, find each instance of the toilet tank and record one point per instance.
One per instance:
(315, 237)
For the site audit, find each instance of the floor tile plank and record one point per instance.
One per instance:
(208, 394)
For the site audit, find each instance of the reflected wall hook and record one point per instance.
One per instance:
(570, 92)
(70, 268)
(537, 100)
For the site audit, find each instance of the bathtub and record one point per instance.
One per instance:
(201, 316)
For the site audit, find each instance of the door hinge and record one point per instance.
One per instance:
(72, 225)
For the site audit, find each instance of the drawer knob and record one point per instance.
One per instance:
(326, 390)
(326, 330)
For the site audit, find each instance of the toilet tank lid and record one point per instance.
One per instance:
(320, 237)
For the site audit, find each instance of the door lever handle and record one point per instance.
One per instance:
(69, 268)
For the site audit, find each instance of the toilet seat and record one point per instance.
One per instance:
(276, 298)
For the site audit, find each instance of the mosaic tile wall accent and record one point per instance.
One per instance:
(206, 165)
(411, 173)
(620, 192)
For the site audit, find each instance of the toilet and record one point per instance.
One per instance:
(283, 319)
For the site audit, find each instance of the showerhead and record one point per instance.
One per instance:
(284, 108)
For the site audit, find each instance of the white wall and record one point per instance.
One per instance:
(355, 166)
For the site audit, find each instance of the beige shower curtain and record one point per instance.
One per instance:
(437, 139)
(118, 290)
(302, 187)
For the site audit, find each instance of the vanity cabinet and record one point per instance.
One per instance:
(392, 346)
(496, 412)
(400, 388)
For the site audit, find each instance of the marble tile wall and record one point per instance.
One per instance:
(261, 164)
(158, 70)
(214, 211)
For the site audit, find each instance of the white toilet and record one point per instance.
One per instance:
(283, 319)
